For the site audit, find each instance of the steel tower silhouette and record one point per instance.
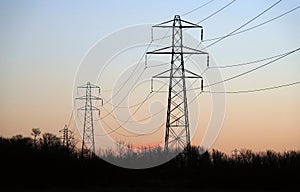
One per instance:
(177, 124)
(88, 142)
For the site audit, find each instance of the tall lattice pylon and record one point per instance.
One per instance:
(88, 142)
(177, 133)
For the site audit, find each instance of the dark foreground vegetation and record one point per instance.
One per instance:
(46, 164)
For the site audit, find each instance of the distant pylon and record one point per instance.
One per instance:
(66, 136)
(177, 124)
(235, 154)
(88, 142)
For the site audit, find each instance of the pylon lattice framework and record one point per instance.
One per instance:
(177, 133)
(67, 136)
(88, 142)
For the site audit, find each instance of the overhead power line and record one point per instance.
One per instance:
(258, 25)
(256, 90)
(138, 78)
(254, 69)
(131, 74)
(201, 6)
(122, 124)
(236, 76)
(219, 10)
(242, 91)
(147, 50)
(206, 18)
(135, 111)
(197, 8)
(248, 63)
(158, 112)
(237, 29)
(234, 32)
(129, 121)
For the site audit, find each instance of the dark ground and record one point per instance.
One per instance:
(50, 168)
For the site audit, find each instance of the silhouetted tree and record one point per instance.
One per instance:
(50, 141)
(218, 158)
(246, 156)
(270, 159)
(201, 168)
(35, 133)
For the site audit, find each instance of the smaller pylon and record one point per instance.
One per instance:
(88, 142)
(235, 154)
(66, 136)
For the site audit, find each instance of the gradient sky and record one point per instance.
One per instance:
(43, 42)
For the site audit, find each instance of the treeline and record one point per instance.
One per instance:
(45, 162)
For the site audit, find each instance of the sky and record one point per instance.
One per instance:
(43, 43)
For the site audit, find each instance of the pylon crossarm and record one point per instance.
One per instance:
(81, 108)
(88, 85)
(94, 108)
(82, 87)
(158, 75)
(159, 25)
(192, 25)
(81, 98)
(95, 98)
(196, 50)
(178, 77)
(88, 108)
(190, 72)
(157, 50)
(91, 97)
(178, 51)
(175, 52)
(94, 86)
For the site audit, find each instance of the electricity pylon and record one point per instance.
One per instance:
(235, 154)
(177, 123)
(66, 136)
(88, 142)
